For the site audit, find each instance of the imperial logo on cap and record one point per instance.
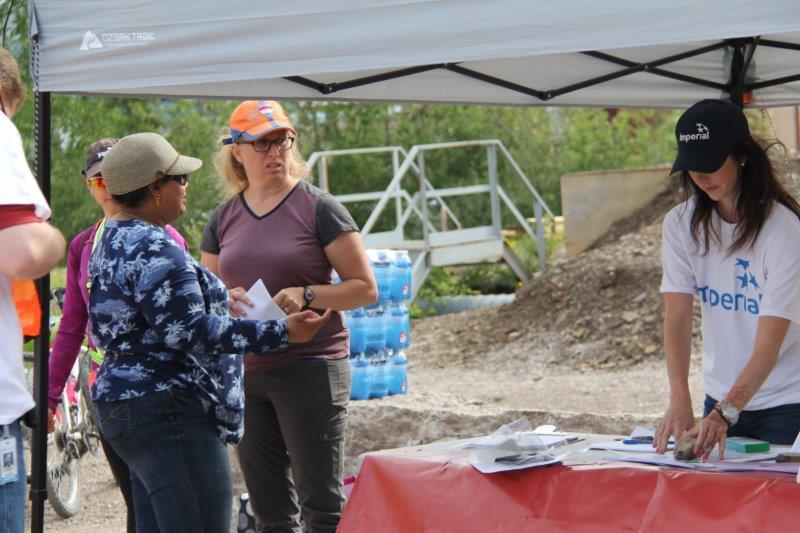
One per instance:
(703, 134)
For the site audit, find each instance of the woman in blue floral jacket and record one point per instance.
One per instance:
(169, 393)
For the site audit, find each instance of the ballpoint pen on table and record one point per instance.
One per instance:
(642, 440)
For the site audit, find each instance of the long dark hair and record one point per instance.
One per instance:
(758, 189)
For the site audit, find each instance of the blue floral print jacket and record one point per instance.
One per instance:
(162, 319)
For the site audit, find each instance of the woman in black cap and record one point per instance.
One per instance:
(735, 246)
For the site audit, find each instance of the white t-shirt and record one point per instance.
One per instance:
(734, 290)
(17, 186)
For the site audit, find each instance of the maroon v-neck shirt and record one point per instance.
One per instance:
(285, 248)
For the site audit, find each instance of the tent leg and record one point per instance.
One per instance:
(737, 74)
(38, 493)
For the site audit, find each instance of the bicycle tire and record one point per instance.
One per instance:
(63, 468)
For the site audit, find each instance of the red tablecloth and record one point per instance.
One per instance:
(403, 493)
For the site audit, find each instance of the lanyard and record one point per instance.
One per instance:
(98, 234)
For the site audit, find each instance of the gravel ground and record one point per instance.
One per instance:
(579, 348)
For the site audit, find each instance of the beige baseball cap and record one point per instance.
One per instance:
(134, 162)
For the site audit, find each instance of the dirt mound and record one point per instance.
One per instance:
(599, 310)
(651, 214)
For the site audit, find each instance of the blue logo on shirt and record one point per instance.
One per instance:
(734, 301)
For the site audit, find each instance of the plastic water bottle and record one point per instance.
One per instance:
(399, 330)
(378, 382)
(359, 372)
(392, 332)
(357, 324)
(247, 519)
(400, 270)
(398, 373)
(381, 263)
(375, 328)
(405, 337)
(335, 279)
(394, 327)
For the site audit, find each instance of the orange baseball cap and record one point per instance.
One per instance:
(252, 119)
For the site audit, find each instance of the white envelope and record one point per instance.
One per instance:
(263, 306)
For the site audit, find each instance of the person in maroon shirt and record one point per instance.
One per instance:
(279, 228)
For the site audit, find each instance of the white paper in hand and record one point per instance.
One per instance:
(263, 306)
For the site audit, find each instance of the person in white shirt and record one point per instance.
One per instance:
(735, 246)
(29, 248)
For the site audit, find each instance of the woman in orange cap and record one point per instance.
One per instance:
(279, 228)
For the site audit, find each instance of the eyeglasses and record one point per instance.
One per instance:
(182, 179)
(265, 145)
(97, 178)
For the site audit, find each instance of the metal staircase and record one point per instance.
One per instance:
(424, 223)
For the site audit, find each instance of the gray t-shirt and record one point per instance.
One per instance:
(284, 248)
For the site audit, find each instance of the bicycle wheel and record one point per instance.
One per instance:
(63, 468)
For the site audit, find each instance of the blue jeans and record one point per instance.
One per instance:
(12, 495)
(180, 474)
(777, 425)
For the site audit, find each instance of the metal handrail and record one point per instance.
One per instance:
(413, 161)
(428, 185)
(525, 179)
(321, 156)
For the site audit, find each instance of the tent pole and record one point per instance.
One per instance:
(41, 350)
(737, 72)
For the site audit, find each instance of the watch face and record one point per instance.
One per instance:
(729, 412)
(309, 295)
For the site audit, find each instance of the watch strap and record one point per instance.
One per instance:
(718, 409)
(308, 295)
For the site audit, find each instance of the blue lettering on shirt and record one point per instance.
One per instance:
(734, 302)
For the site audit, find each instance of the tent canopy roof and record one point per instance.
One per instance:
(520, 52)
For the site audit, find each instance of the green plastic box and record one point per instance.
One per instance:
(746, 445)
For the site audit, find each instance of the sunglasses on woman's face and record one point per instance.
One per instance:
(97, 179)
(182, 179)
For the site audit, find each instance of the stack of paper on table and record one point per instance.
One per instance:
(733, 462)
(525, 440)
(487, 464)
(515, 438)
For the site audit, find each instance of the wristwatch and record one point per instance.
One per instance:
(728, 412)
(308, 295)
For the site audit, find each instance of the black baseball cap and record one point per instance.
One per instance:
(95, 155)
(706, 133)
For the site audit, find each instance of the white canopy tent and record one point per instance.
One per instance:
(520, 52)
(618, 53)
